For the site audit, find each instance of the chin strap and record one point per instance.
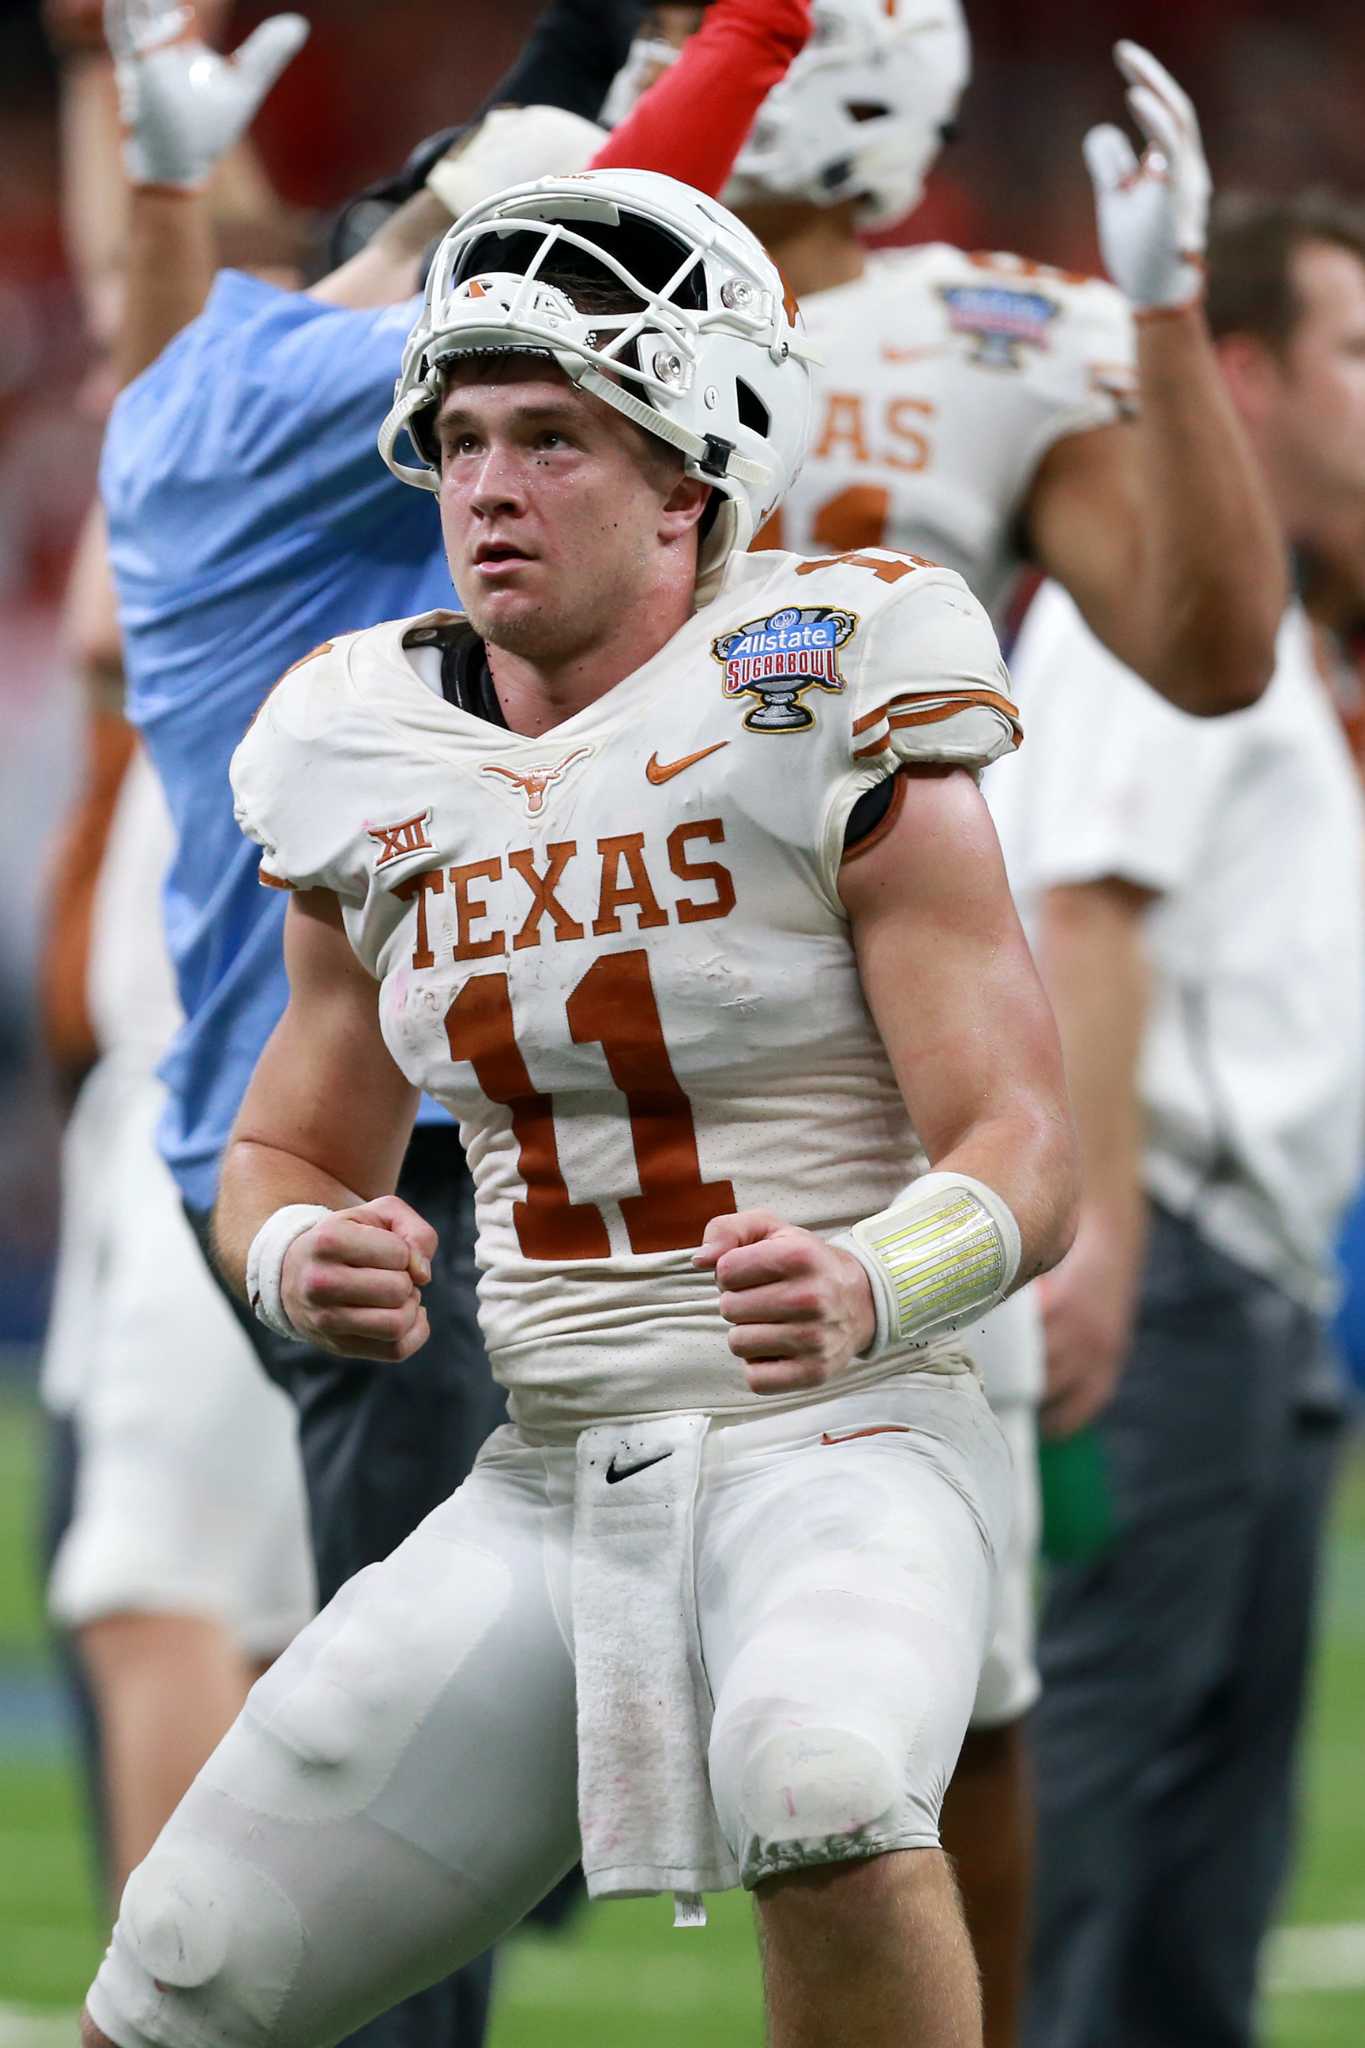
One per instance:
(425, 478)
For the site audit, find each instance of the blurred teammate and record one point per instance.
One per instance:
(979, 410)
(184, 1566)
(1198, 893)
(180, 1558)
(977, 406)
(593, 846)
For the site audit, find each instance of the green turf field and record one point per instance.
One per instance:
(621, 1977)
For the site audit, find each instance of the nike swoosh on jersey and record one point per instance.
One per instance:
(664, 771)
(892, 354)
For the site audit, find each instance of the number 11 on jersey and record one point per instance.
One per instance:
(612, 1006)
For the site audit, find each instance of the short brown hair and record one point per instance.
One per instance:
(1253, 241)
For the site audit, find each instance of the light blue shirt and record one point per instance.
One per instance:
(250, 518)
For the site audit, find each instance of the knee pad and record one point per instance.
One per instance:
(213, 1930)
(800, 1782)
(173, 1921)
(816, 1781)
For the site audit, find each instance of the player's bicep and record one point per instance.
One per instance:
(326, 1088)
(1084, 521)
(946, 969)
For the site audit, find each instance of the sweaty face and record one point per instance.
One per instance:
(1320, 423)
(550, 506)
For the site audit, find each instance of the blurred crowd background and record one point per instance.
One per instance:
(1279, 90)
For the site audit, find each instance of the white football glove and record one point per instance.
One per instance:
(511, 146)
(184, 106)
(1153, 215)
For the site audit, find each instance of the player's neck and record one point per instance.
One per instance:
(814, 247)
(537, 693)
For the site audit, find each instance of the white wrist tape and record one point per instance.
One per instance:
(943, 1253)
(265, 1261)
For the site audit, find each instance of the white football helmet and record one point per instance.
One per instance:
(860, 113)
(695, 340)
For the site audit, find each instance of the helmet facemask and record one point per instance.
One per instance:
(667, 311)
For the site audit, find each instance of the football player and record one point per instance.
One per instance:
(989, 411)
(664, 867)
(231, 567)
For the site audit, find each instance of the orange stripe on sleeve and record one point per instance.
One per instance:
(904, 712)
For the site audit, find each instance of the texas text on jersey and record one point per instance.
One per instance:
(641, 903)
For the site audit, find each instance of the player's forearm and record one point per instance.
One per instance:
(386, 270)
(1026, 1154)
(693, 122)
(257, 1179)
(1091, 951)
(94, 196)
(1215, 561)
(170, 272)
(969, 1034)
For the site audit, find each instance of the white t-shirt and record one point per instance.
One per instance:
(1249, 830)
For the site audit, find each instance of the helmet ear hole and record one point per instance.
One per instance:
(750, 409)
(422, 434)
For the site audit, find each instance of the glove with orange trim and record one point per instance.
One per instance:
(1153, 212)
(184, 105)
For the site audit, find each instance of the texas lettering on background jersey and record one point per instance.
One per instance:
(616, 952)
(947, 377)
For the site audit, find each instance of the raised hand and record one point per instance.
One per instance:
(184, 105)
(1153, 211)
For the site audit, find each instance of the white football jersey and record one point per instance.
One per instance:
(946, 378)
(617, 952)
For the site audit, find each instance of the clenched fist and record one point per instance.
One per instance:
(353, 1281)
(801, 1308)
